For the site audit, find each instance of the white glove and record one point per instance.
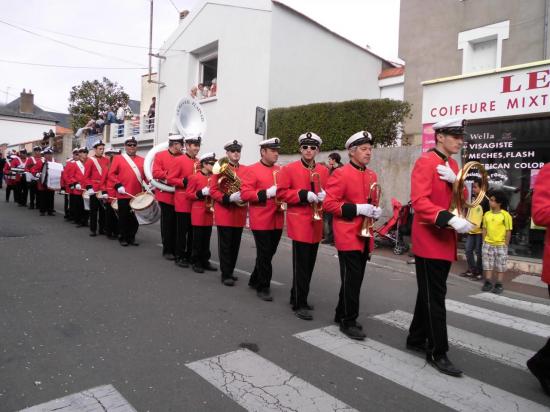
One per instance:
(37, 176)
(205, 191)
(365, 209)
(460, 224)
(90, 192)
(271, 192)
(235, 197)
(321, 195)
(77, 186)
(446, 173)
(377, 212)
(105, 196)
(312, 197)
(121, 190)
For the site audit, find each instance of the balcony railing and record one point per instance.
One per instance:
(140, 128)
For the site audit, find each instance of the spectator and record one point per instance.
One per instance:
(473, 238)
(497, 230)
(203, 91)
(111, 118)
(333, 164)
(194, 92)
(100, 124)
(151, 116)
(120, 115)
(213, 88)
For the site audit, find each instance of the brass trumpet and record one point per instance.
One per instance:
(209, 203)
(459, 205)
(375, 192)
(317, 207)
(281, 206)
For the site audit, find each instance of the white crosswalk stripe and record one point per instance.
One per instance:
(99, 399)
(259, 385)
(534, 307)
(498, 318)
(409, 371)
(480, 345)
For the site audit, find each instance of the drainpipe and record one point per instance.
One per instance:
(545, 39)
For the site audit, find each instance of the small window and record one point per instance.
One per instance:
(209, 71)
(482, 47)
(207, 85)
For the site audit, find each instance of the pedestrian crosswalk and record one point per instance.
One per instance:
(257, 384)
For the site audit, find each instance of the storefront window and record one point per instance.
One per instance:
(513, 152)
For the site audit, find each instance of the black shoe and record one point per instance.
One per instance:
(93, 234)
(357, 324)
(182, 263)
(197, 268)
(487, 286)
(303, 313)
(352, 332)
(540, 373)
(168, 256)
(264, 294)
(235, 278)
(209, 267)
(498, 289)
(123, 243)
(134, 243)
(228, 282)
(444, 365)
(51, 213)
(417, 347)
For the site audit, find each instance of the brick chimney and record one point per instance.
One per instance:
(26, 102)
(184, 14)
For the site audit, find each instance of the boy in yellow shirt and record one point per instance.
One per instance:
(497, 230)
(474, 237)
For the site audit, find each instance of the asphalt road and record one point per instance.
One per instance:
(80, 312)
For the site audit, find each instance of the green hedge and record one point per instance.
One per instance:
(336, 122)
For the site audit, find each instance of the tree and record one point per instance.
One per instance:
(90, 98)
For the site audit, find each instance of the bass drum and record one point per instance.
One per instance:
(146, 208)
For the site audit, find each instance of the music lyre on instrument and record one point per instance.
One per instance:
(459, 205)
(375, 193)
(281, 206)
(317, 207)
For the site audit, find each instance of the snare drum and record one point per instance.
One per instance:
(146, 208)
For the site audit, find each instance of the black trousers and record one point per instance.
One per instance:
(9, 190)
(266, 246)
(111, 221)
(542, 358)
(303, 263)
(184, 236)
(45, 201)
(23, 192)
(229, 243)
(66, 206)
(78, 213)
(352, 272)
(200, 253)
(97, 213)
(127, 222)
(327, 227)
(168, 229)
(34, 198)
(430, 316)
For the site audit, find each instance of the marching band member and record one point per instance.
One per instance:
(22, 183)
(230, 217)
(266, 214)
(108, 195)
(77, 182)
(184, 168)
(202, 216)
(45, 195)
(349, 200)
(434, 243)
(36, 171)
(95, 168)
(32, 185)
(126, 176)
(164, 162)
(11, 178)
(301, 188)
(70, 193)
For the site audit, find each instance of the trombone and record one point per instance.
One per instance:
(317, 207)
(281, 206)
(375, 193)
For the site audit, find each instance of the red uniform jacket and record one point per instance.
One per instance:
(431, 199)
(178, 176)
(35, 169)
(11, 178)
(67, 176)
(162, 166)
(122, 174)
(348, 186)
(227, 213)
(541, 214)
(293, 189)
(106, 184)
(263, 212)
(200, 216)
(31, 161)
(77, 176)
(93, 177)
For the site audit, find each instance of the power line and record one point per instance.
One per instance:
(72, 67)
(66, 44)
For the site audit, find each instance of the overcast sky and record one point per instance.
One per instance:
(372, 22)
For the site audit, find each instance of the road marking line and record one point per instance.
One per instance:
(257, 384)
(244, 272)
(500, 319)
(412, 372)
(538, 308)
(99, 399)
(530, 280)
(472, 342)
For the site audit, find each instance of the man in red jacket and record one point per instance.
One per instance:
(266, 213)
(301, 188)
(230, 213)
(539, 364)
(45, 194)
(31, 180)
(163, 164)
(126, 175)
(96, 167)
(350, 202)
(434, 243)
(66, 177)
(12, 178)
(77, 181)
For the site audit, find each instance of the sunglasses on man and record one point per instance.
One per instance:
(305, 147)
(234, 150)
(131, 144)
(210, 163)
